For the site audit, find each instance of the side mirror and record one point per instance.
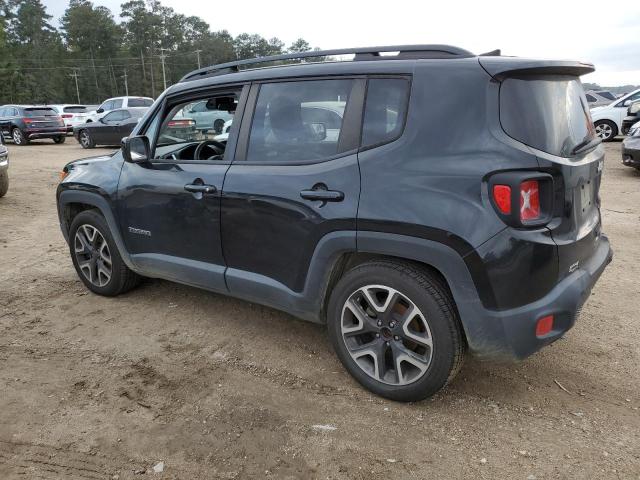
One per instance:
(136, 149)
(100, 110)
(319, 131)
(627, 103)
(101, 120)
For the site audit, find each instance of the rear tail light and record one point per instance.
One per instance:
(502, 197)
(67, 115)
(28, 121)
(522, 199)
(180, 123)
(529, 200)
(544, 326)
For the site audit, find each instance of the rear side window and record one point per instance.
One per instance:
(385, 110)
(140, 102)
(546, 112)
(298, 121)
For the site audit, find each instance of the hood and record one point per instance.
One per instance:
(87, 161)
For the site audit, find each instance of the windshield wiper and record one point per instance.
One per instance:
(586, 144)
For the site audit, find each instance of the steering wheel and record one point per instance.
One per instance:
(217, 147)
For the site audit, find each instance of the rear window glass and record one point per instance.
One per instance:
(607, 95)
(75, 109)
(39, 112)
(140, 102)
(385, 110)
(591, 98)
(549, 113)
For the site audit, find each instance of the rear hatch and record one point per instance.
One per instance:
(42, 117)
(546, 109)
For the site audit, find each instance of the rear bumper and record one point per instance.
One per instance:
(627, 123)
(44, 132)
(510, 334)
(631, 153)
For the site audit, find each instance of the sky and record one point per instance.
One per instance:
(603, 34)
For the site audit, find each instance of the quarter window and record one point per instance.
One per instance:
(385, 110)
(298, 121)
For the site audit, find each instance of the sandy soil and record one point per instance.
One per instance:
(99, 388)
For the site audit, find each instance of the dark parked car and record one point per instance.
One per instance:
(633, 116)
(411, 235)
(4, 169)
(631, 147)
(110, 129)
(22, 124)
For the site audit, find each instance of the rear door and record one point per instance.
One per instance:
(290, 184)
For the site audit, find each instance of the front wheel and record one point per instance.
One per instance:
(85, 139)
(395, 329)
(60, 139)
(18, 137)
(96, 258)
(606, 130)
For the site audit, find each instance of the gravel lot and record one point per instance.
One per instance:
(101, 388)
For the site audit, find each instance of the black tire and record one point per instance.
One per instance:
(435, 304)
(60, 139)
(4, 183)
(606, 130)
(85, 139)
(122, 279)
(18, 137)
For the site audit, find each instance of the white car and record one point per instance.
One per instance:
(608, 119)
(116, 103)
(72, 114)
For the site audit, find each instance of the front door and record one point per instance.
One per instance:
(295, 179)
(170, 207)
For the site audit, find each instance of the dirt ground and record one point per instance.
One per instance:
(106, 388)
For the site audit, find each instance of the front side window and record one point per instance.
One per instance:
(192, 135)
(385, 110)
(114, 117)
(106, 106)
(116, 104)
(298, 121)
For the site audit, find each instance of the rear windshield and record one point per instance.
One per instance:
(39, 112)
(75, 109)
(549, 113)
(607, 95)
(140, 102)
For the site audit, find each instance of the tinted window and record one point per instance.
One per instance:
(385, 110)
(283, 130)
(549, 113)
(140, 102)
(75, 109)
(114, 116)
(607, 95)
(39, 112)
(591, 98)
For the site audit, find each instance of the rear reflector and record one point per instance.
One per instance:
(502, 197)
(529, 200)
(544, 326)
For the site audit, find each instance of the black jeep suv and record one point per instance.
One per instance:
(355, 194)
(22, 124)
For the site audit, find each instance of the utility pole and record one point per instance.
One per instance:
(126, 85)
(164, 75)
(75, 76)
(198, 54)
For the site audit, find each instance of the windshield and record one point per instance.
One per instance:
(546, 112)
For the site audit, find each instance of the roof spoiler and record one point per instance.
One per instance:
(502, 67)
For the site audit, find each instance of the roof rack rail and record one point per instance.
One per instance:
(366, 53)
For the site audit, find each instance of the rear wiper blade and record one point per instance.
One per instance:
(586, 144)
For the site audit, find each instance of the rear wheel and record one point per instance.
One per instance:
(19, 137)
(96, 258)
(4, 184)
(606, 130)
(85, 139)
(394, 328)
(60, 139)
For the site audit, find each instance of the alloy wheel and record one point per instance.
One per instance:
(386, 335)
(604, 131)
(17, 136)
(84, 139)
(93, 255)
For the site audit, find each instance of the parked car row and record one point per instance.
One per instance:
(608, 120)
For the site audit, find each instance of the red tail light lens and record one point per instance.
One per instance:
(67, 115)
(502, 197)
(544, 326)
(529, 200)
(28, 121)
(180, 123)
